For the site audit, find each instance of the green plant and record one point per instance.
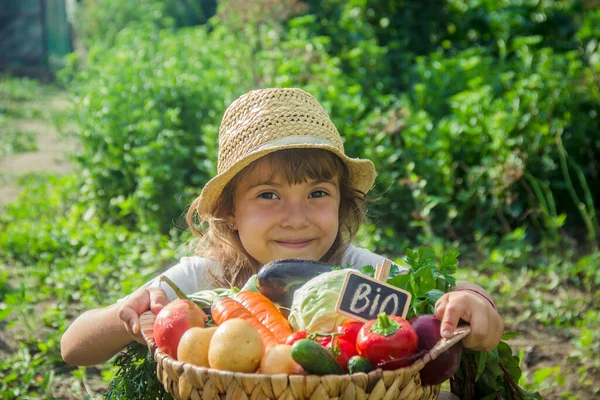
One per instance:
(15, 141)
(148, 122)
(547, 379)
(98, 23)
(458, 130)
(75, 261)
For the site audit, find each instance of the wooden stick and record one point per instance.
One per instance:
(378, 269)
(382, 272)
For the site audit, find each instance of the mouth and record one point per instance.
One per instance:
(294, 244)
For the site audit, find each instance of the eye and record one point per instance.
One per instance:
(318, 193)
(267, 196)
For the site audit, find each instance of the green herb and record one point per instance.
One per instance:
(427, 279)
(484, 375)
(490, 375)
(135, 377)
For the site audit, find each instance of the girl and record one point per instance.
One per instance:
(284, 189)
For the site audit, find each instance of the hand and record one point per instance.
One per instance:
(153, 299)
(486, 323)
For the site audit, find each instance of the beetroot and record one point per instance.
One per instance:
(174, 319)
(443, 367)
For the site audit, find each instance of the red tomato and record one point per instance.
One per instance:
(387, 338)
(342, 350)
(323, 340)
(350, 330)
(294, 337)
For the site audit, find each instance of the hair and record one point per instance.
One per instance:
(217, 241)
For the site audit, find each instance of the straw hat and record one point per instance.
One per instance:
(267, 120)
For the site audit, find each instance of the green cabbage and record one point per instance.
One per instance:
(250, 285)
(313, 306)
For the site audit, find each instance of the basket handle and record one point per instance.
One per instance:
(147, 319)
(441, 346)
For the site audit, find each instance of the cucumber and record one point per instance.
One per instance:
(315, 359)
(359, 364)
(278, 280)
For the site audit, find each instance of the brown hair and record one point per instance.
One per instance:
(216, 241)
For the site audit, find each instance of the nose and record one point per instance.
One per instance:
(294, 214)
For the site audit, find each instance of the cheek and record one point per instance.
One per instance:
(251, 241)
(250, 216)
(328, 218)
(252, 223)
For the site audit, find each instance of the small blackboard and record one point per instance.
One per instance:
(364, 298)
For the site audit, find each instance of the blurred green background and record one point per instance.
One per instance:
(481, 117)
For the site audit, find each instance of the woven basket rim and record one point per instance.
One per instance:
(147, 320)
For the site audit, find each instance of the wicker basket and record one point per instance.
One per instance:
(185, 381)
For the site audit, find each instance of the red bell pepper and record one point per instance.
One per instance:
(387, 338)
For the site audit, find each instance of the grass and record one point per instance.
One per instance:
(16, 141)
(21, 99)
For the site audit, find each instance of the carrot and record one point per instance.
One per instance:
(266, 312)
(225, 308)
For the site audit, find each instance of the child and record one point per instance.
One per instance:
(284, 189)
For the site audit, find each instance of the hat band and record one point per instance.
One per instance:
(297, 139)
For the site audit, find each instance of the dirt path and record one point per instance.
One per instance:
(52, 148)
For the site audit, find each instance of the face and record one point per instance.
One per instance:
(276, 220)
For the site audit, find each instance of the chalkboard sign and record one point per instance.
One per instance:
(363, 298)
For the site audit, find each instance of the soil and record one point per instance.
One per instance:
(51, 155)
(542, 347)
(549, 348)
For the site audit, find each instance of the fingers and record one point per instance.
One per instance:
(453, 312)
(131, 319)
(476, 340)
(153, 299)
(489, 329)
(158, 299)
(440, 306)
(486, 323)
(450, 309)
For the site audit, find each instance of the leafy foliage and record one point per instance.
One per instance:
(148, 123)
(490, 375)
(60, 248)
(481, 117)
(99, 22)
(477, 120)
(135, 377)
(427, 278)
(482, 374)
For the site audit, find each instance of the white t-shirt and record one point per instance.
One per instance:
(191, 275)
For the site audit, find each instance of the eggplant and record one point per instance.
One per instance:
(278, 280)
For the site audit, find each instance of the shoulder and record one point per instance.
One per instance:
(190, 274)
(357, 257)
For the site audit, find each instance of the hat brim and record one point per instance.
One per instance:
(361, 173)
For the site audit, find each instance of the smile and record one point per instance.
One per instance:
(294, 244)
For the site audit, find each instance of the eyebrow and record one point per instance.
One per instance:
(272, 183)
(266, 183)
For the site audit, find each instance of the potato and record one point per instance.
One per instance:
(278, 360)
(236, 346)
(194, 344)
